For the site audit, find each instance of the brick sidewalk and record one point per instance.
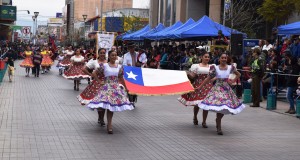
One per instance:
(42, 119)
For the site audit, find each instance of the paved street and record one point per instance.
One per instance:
(42, 119)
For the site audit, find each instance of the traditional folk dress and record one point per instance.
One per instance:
(27, 62)
(47, 61)
(221, 98)
(111, 95)
(75, 71)
(66, 61)
(195, 97)
(92, 89)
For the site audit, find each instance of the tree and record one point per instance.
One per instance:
(132, 22)
(278, 10)
(243, 16)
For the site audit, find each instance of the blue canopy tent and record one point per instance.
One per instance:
(158, 28)
(176, 34)
(292, 28)
(167, 34)
(205, 28)
(120, 37)
(158, 35)
(143, 30)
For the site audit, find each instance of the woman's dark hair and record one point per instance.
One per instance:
(257, 51)
(101, 49)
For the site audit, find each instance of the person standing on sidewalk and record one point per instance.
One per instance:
(111, 95)
(257, 69)
(292, 68)
(37, 60)
(10, 58)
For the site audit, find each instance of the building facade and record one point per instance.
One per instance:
(75, 9)
(168, 12)
(7, 18)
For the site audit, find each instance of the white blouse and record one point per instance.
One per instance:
(77, 59)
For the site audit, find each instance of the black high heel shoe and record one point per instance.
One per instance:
(101, 122)
(195, 121)
(204, 125)
(219, 131)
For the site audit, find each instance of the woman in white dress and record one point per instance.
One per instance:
(221, 98)
(111, 95)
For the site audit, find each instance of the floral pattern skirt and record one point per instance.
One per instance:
(47, 61)
(66, 61)
(90, 91)
(75, 72)
(111, 96)
(195, 97)
(27, 63)
(222, 99)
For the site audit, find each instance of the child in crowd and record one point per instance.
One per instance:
(60, 57)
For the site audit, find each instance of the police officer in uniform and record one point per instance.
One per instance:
(257, 69)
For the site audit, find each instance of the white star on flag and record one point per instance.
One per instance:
(131, 75)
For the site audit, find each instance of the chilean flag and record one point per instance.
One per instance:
(147, 81)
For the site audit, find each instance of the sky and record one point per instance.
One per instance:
(48, 9)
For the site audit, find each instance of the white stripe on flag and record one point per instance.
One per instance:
(159, 77)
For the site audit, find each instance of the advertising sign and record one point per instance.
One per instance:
(8, 13)
(248, 44)
(26, 32)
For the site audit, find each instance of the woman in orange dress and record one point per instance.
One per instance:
(27, 62)
(47, 61)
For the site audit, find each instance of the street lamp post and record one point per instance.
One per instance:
(36, 14)
(84, 16)
(33, 18)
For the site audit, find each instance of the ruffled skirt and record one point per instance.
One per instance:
(66, 61)
(90, 91)
(195, 97)
(222, 99)
(47, 61)
(27, 63)
(75, 72)
(111, 96)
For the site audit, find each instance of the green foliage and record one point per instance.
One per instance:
(278, 10)
(132, 22)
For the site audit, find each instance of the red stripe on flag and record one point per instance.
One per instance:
(159, 90)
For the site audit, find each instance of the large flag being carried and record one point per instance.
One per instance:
(146, 81)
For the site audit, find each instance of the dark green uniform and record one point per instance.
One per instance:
(257, 68)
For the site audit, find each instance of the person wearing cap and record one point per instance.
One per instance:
(130, 59)
(37, 60)
(257, 69)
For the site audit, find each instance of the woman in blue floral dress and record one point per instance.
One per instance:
(111, 95)
(221, 98)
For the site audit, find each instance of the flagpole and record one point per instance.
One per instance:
(97, 47)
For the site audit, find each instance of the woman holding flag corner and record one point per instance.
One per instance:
(198, 73)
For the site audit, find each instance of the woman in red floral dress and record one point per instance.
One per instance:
(92, 89)
(75, 71)
(198, 72)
